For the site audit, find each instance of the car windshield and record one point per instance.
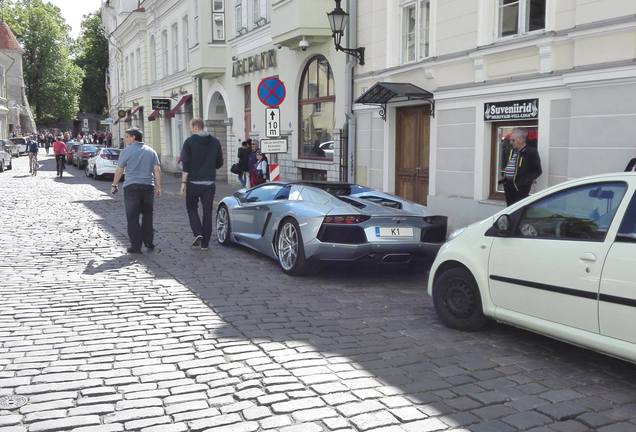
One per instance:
(111, 152)
(89, 148)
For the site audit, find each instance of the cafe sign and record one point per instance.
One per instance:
(254, 63)
(526, 109)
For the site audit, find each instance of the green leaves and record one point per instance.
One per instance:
(53, 81)
(92, 58)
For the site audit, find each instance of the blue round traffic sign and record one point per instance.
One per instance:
(271, 92)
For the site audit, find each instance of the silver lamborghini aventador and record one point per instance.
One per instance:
(299, 223)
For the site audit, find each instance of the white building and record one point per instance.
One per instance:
(565, 70)
(15, 112)
(209, 58)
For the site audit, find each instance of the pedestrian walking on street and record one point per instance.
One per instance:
(243, 158)
(142, 184)
(59, 150)
(252, 161)
(522, 169)
(201, 156)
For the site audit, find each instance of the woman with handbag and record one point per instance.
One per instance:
(259, 175)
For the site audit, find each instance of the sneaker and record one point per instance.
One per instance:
(204, 247)
(132, 250)
(150, 247)
(197, 241)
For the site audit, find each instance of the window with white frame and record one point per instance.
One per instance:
(186, 41)
(238, 17)
(175, 48)
(416, 29)
(520, 16)
(139, 80)
(164, 52)
(259, 12)
(153, 59)
(218, 21)
(195, 23)
(126, 74)
(132, 71)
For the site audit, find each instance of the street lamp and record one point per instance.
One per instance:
(338, 20)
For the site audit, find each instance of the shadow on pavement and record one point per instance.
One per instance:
(379, 320)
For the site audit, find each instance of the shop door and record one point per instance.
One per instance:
(412, 153)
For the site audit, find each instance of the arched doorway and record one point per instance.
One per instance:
(217, 125)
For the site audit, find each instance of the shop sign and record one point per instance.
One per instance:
(254, 63)
(162, 104)
(274, 146)
(526, 109)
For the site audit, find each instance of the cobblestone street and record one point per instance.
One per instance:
(186, 340)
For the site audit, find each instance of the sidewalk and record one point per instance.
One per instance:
(171, 185)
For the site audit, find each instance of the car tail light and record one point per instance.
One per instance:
(345, 220)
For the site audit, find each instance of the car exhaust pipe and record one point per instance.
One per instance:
(397, 258)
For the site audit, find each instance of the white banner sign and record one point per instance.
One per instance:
(274, 146)
(272, 122)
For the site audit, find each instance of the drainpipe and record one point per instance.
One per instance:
(200, 91)
(352, 41)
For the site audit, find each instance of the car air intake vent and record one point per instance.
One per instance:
(383, 201)
(342, 234)
(354, 203)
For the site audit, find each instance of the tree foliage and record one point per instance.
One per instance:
(52, 80)
(92, 58)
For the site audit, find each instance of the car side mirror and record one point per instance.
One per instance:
(239, 196)
(503, 225)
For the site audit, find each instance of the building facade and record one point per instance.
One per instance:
(564, 70)
(209, 57)
(16, 117)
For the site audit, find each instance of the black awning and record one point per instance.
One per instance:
(383, 93)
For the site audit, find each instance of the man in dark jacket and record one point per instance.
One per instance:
(243, 158)
(201, 156)
(522, 169)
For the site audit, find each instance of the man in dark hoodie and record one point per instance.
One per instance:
(201, 156)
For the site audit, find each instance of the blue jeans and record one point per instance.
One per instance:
(243, 178)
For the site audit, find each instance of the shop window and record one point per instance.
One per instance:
(175, 48)
(313, 174)
(520, 16)
(218, 21)
(164, 53)
(501, 147)
(316, 109)
(416, 23)
(153, 59)
(259, 12)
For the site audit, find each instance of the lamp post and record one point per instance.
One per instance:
(338, 20)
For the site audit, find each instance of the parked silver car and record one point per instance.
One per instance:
(21, 144)
(6, 150)
(304, 222)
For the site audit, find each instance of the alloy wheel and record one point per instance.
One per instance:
(288, 246)
(222, 225)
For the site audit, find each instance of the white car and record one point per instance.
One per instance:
(103, 163)
(561, 263)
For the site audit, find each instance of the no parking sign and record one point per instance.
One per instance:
(271, 92)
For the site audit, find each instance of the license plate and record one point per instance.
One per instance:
(394, 232)
(114, 162)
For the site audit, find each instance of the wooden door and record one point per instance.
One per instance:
(247, 96)
(412, 153)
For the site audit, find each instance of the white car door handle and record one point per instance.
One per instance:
(589, 257)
